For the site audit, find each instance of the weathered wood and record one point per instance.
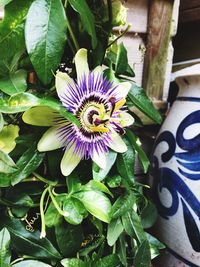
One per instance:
(159, 35)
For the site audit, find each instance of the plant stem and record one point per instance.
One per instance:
(70, 30)
(61, 212)
(122, 34)
(43, 227)
(110, 13)
(39, 177)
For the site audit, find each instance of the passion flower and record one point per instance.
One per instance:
(97, 103)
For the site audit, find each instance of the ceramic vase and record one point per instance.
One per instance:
(176, 170)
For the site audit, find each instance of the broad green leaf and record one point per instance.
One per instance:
(138, 98)
(132, 225)
(91, 247)
(45, 34)
(31, 263)
(4, 2)
(98, 173)
(27, 163)
(136, 145)
(123, 204)
(14, 83)
(114, 181)
(7, 138)
(143, 255)
(7, 165)
(73, 263)
(115, 228)
(122, 66)
(87, 18)
(12, 28)
(109, 261)
(122, 249)
(125, 163)
(96, 185)
(155, 245)
(73, 183)
(75, 210)
(5, 252)
(52, 217)
(1, 122)
(69, 238)
(18, 199)
(30, 243)
(96, 203)
(149, 215)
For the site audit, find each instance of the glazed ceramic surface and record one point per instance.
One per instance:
(176, 170)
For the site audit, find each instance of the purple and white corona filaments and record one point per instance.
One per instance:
(97, 103)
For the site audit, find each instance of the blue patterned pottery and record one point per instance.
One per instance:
(176, 170)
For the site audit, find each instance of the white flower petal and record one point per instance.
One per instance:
(117, 144)
(49, 141)
(69, 161)
(126, 119)
(81, 63)
(40, 116)
(122, 89)
(62, 79)
(99, 159)
(98, 70)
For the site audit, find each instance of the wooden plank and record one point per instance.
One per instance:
(158, 40)
(190, 15)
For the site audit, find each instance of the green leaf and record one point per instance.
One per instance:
(155, 245)
(96, 185)
(69, 238)
(8, 135)
(122, 205)
(27, 163)
(149, 215)
(4, 2)
(45, 34)
(7, 165)
(122, 250)
(52, 217)
(31, 263)
(5, 253)
(122, 66)
(1, 122)
(142, 156)
(15, 83)
(73, 183)
(115, 228)
(98, 173)
(109, 261)
(138, 98)
(132, 225)
(87, 18)
(143, 255)
(114, 181)
(126, 162)
(12, 28)
(96, 203)
(91, 247)
(73, 263)
(30, 243)
(75, 210)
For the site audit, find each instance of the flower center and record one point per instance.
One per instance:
(94, 118)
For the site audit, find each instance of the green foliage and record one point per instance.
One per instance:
(95, 216)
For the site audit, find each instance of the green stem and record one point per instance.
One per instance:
(43, 227)
(70, 31)
(110, 13)
(61, 212)
(122, 34)
(39, 177)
